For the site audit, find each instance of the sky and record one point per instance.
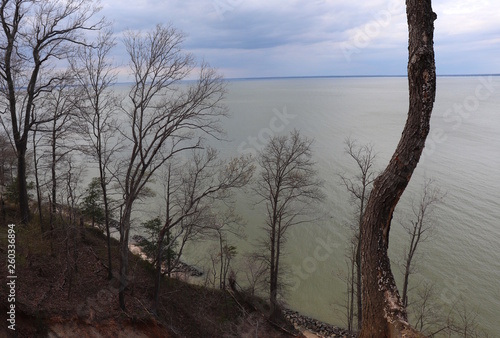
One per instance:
(279, 38)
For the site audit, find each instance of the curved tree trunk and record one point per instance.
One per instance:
(383, 312)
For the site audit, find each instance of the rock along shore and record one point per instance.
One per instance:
(322, 329)
(297, 319)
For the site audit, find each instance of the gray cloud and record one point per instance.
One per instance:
(276, 38)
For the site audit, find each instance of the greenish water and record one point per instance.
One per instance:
(462, 156)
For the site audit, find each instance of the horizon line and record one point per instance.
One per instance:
(346, 76)
(322, 77)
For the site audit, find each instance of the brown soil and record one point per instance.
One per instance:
(62, 291)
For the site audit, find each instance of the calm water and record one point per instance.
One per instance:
(462, 156)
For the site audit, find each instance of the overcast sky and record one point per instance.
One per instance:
(267, 38)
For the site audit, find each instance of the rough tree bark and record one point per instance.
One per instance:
(383, 312)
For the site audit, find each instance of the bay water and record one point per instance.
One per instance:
(462, 157)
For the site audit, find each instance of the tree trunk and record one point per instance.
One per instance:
(405, 283)
(272, 286)
(124, 235)
(4, 213)
(106, 221)
(159, 258)
(22, 185)
(53, 171)
(359, 283)
(37, 183)
(350, 301)
(221, 272)
(383, 312)
(273, 290)
(169, 256)
(358, 255)
(273, 283)
(20, 136)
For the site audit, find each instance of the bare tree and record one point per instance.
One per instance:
(36, 161)
(431, 317)
(163, 115)
(420, 229)
(53, 130)
(384, 314)
(349, 278)
(288, 186)
(7, 168)
(359, 188)
(34, 36)
(255, 273)
(96, 75)
(60, 112)
(191, 197)
(427, 315)
(227, 222)
(7, 160)
(463, 321)
(69, 197)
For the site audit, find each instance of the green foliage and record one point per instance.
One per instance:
(12, 191)
(149, 244)
(92, 202)
(229, 251)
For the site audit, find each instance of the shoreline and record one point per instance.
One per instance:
(183, 271)
(314, 327)
(308, 326)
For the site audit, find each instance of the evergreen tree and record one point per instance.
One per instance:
(149, 244)
(92, 202)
